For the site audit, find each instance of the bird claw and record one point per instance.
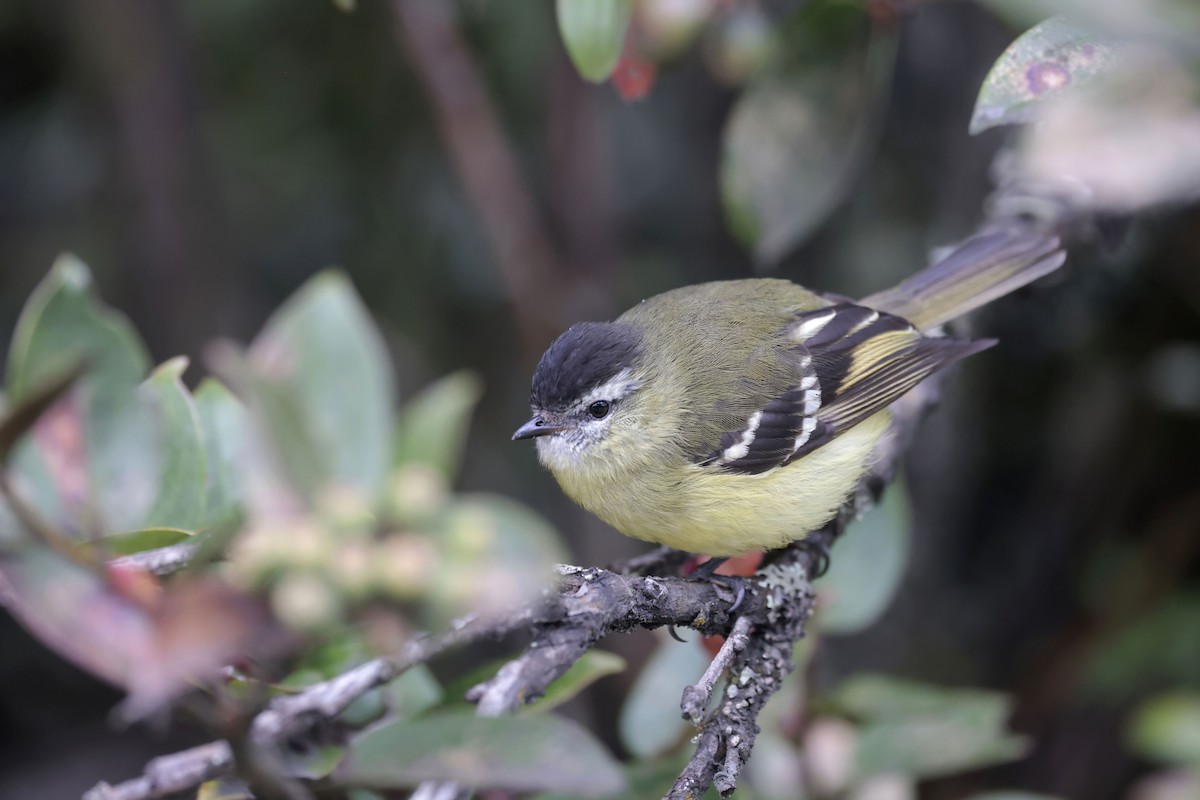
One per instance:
(819, 549)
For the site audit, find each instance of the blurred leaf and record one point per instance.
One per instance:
(61, 468)
(1175, 23)
(109, 455)
(935, 746)
(591, 667)
(1161, 647)
(414, 692)
(223, 424)
(61, 325)
(1128, 143)
(1167, 728)
(794, 143)
(651, 722)
(299, 467)
(16, 421)
(153, 642)
(123, 544)
(432, 426)
(867, 568)
(868, 696)
(650, 778)
(491, 554)
(1045, 62)
(322, 378)
(316, 763)
(72, 611)
(926, 731)
(528, 753)
(179, 486)
(594, 34)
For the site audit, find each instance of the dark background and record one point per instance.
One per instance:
(206, 158)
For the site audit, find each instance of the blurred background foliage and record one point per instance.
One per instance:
(208, 160)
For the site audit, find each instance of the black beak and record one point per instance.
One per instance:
(537, 426)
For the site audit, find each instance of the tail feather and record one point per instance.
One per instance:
(983, 268)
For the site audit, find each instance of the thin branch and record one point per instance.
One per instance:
(160, 561)
(697, 696)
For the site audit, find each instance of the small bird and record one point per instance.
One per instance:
(740, 415)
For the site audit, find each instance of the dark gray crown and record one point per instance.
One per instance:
(585, 356)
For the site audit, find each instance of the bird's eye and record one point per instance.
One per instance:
(599, 409)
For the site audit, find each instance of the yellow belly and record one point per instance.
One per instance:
(721, 513)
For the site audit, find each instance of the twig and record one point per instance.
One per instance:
(171, 774)
(160, 561)
(697, 696)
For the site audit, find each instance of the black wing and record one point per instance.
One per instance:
(851, 362)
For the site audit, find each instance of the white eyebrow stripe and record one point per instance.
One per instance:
(614, 388)
(739, 450)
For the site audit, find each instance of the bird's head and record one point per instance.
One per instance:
(585, 398)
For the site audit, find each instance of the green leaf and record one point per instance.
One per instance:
(1043, 64)
(123, 544)
(179, 485)
(1161, 647)
(109, 455)
(867, 568)
(650, 778)
(223, 424)
(869, 696)
(591, 667)
(323, 380)
(61, 325)
(1167, 728)
(414, 692)
(432, 426)
(525, 753)
(795, 142)
(594, 34)
(1174, 23)
(651, 722)
(317, 763)
(926, 731)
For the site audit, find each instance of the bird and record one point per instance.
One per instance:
(736, 416)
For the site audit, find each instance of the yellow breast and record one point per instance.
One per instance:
(706, 510)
